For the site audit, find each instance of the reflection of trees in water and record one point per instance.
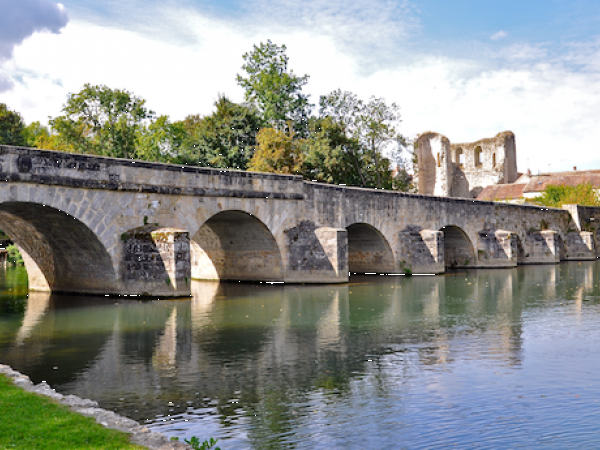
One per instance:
(259, 354)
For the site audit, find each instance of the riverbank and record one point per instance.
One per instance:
(51, 420)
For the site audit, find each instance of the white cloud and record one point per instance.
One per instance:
(19, 20)
(499, 35)
(552, 104)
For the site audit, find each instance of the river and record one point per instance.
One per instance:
(505, 358)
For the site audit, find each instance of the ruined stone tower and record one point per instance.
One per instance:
(463, 170)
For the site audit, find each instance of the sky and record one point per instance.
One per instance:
(468, 69)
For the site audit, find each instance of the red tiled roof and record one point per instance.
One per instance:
(502, 192)
(539, 183)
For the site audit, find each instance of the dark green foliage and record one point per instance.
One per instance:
(12, 127)
(331, 156)
(14, 256)
(226, 138)
(195, 443)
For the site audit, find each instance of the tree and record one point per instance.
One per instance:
(330, 154)
(372, 125)
(226, 138)
(277, 152)
(160, 141)
(273, 90)
(102, 121)
(12, 127)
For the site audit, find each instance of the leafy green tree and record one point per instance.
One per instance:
(330, 155)
(372, 125)
(160, 141)
(273, 89)
(12, 127)
(226, 138)
(101, 121)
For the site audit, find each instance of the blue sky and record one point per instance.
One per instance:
(468, 69)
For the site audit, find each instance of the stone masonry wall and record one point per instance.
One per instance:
(291, 230)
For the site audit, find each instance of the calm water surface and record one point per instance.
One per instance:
(478, 359)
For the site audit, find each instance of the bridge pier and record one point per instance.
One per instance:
(579, 246)
(156, 261)
(496, 248)
(541, 247)
(316, 254)
(420, 251)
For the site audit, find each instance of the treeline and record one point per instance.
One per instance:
(274, 130)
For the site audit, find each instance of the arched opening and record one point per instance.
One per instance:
(494, 160)
(61, 253)
(459, 157)
(478, 156)
(458, 251)
(368, 250)
(234, 245)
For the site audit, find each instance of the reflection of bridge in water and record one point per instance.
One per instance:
(109, 226)
(260, 339)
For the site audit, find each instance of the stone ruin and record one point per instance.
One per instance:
(463, 170)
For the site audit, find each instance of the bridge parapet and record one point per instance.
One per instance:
(28, 165)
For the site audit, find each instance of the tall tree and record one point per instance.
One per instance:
(226, 138)
(273, 89)
(330, 155)
(12, 127)
(373, 125)
(102, 121)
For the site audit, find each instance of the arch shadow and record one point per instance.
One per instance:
(61, 253)
(234, 245)
(458, 249)
(368, 250)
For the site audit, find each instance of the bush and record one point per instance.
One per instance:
(14, 256)
(556, 196)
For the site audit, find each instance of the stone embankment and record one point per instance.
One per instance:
(139, 434)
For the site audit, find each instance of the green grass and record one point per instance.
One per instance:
(30, 421)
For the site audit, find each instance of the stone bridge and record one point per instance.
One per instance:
(110, 226)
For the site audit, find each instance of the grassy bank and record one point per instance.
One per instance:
(29, 421)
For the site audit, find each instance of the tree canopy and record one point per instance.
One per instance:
(12, 127)
(349, 142)
(273, 90)
(99, 120)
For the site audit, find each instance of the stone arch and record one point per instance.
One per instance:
(458, 248)
(368, 250)
(61, 253)
(235, 245)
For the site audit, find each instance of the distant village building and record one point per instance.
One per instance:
(485, 170)
(530, 186)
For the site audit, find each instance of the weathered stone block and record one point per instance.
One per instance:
(420, 251)
(579, 245)
(156, 261)
(541, 247)
(496, 248)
